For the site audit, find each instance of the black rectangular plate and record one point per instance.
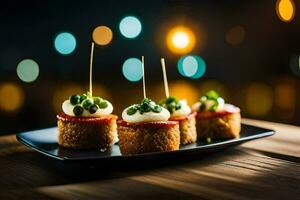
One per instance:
(45, 142)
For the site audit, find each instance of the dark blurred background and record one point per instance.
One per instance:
(251, 56)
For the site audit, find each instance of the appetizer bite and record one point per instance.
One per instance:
(181, 112)
(145, 128)
(86, 123)
(215, 119)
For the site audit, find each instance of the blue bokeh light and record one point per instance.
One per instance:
(65, 43)
(130, 27)
(191, 66)
(132, 69)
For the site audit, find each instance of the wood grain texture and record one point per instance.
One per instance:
(268, 168)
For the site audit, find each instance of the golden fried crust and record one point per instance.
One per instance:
(81, 135)
(219, 127)
(137, 139)
(187, 127)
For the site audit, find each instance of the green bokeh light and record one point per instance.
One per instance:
(28, 70)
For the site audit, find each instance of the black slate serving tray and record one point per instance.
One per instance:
(45, 141)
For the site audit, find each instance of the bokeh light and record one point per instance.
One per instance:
(130, 27)
(285, 10)
(28, 70)
(285, 96)
(191, 66)
(102, 35)
(235, 35)
(259, 99)
(12, 97)
(184, 90)
(132, 69)
(181, 40)
(65, 43)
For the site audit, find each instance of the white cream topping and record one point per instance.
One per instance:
(164, 115)
(183, 111)
(209, 103)
(68, 109)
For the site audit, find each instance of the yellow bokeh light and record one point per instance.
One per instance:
(12, 97)
(285, 10)
(259, 99)
(184, 90)
(102, 35)
(181, 40)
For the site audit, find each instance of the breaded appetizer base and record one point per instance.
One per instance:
(137, 138)
(86, 132)
(187, 128)
(218, 125)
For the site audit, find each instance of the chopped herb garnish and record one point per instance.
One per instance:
(132, 110)
(147, 105)
(212, 95)
(157, 109)
(210, 101)
(170, 103)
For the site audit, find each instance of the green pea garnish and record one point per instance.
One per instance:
(214, 108)
(75, 99)
(77, 110)
(82, 98)
(178, 106)
(102, 104)
(211, 97)
(145, 105)
(97, 100)
(87, 103)
(93, 108)
(131, 111)
(170, 100)
(157, 109)
(212, 94)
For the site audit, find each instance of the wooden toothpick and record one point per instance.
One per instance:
(143, 70)
(91, 68)
(163, 65)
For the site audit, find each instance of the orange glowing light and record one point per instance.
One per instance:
(102, 35)
(259, 99)
(12, 97)
(285, 10)
(181, 40)
(184, 90)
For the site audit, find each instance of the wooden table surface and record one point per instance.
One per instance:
(267, 168)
